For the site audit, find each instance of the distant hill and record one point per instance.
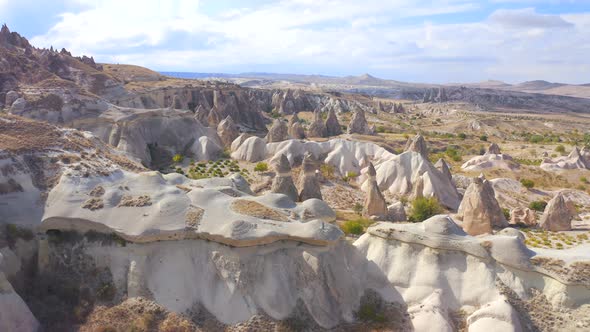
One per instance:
(537, 85)
(189, 75)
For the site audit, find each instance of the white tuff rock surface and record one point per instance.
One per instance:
(558, 215)
(278, 132)
(400, 174)
(172, 207)
(375, 204)
(493, 158)
(420, 261)
(479, 210)
(345, 155)
(132, 130)
(253, 149)
(358, 124)
(283, 183)
(575, 160)
(228, 131)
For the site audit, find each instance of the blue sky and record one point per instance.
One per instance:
(409, 40)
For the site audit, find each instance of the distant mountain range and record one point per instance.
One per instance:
(367, 80)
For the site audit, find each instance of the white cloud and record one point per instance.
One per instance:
(397, 39)
(527, 18)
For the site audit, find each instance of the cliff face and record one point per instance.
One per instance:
(243, 105)
(24, 65)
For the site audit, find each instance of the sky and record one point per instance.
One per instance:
(437, 41)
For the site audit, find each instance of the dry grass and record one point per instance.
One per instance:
(138, 315)
(538, 238)
(257, 210)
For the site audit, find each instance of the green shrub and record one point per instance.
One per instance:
(506, 213)
(538, 205)
(358, 208)
(225, 154)
(327, 171)
(349, 176)
(424, 208)
(275, 114)
(453, 153)
(536, 139)
(560, 149)
(527, 183)
(261, 167)
(14, 232)
(462, 136)
(178, 158)
(483, 138)
(368, 312)
(583, 179)
(352, 227)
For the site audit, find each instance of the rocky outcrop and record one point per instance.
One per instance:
(154, 136)
(18, 106)
(417, 144)
(175, 103)
(202, 115)
(278, 132)
(344, 155)
(309, 185)
(219, 209)
(239, 140)
(493, 158)
(435, 95)
(396, 212)
(524, 216)
(14, 313)
(11, 97)
(317, 128)
(402, 174)
(282, 183)
(253, 149)
(441, 97)
(296, 131)
(227, 131)
(575, 160)
(358, 124)
(375, 205)
(558, 215)
(415, 258)
(443, 167)
(398, 108)
(290, 102)
(214, 117)
(332, 125)
(493, 149)
(479, 210)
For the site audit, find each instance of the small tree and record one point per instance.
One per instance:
(462, 136)
(358, 208)
(560, 149)
(327, 171)
(178, 158)
(349, 176)
(538, 206)
(352, 227)
(527, 183)
(424, 208)
(483, 138)
(261, 167)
